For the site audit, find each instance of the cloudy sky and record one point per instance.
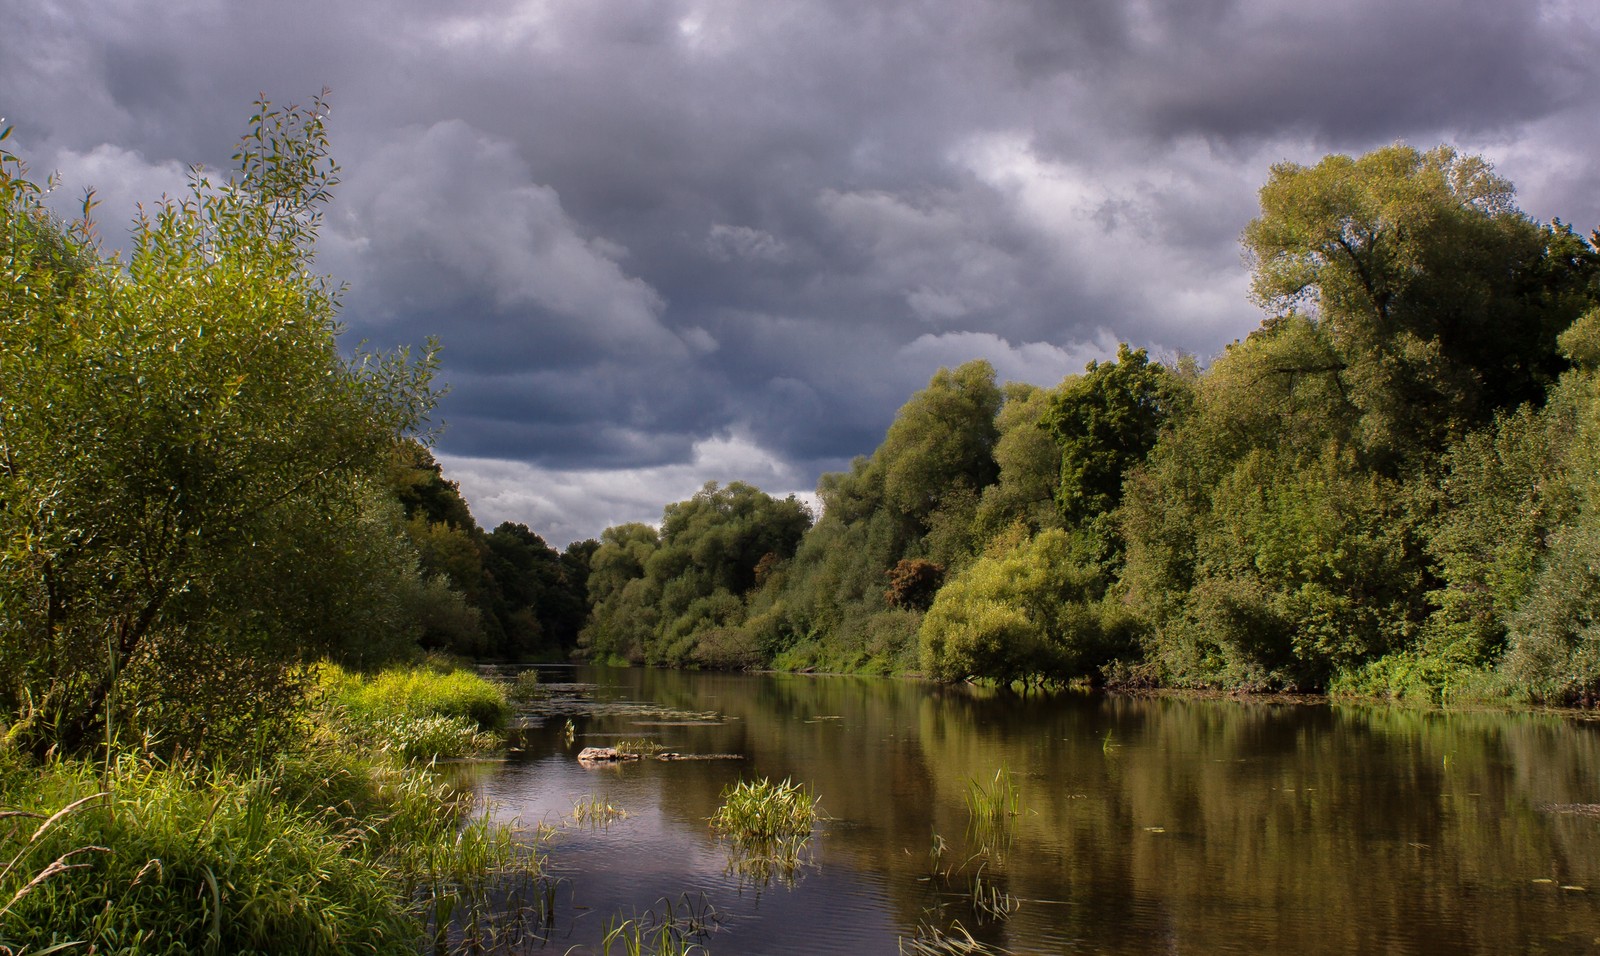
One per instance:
(673, 241)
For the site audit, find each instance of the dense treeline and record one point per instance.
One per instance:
(1386, 488)
(503, 595)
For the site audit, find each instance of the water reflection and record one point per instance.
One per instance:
(1146, 825)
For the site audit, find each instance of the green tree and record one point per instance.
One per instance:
(168, 426)
(1105, 422)
(1032, 611)
(1441, 301)
(942, 439)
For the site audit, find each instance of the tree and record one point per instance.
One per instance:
(1441, 300)
(1029, 611)
(169, 428)
(941, 439)
(1105, 421)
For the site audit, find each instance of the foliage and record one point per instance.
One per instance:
(1105, 421)
(677, 596)
(913, 582)
(1388, 487)
(1441, 300)
(943, 438)
(505, 594)
(171, 432)
(1033, 610)
(1029, 463)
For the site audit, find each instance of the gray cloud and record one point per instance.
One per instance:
(652, 236)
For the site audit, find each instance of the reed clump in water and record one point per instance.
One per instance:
(762, 811)
(768, 828)
(596, 811)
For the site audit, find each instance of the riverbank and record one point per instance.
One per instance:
(348, 841)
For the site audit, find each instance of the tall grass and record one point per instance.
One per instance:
(994, 802)
(414, 713)
(433, 690)
(345, 846)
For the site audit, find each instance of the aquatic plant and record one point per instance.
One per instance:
(639, 747)
(994, 802)
(988, 900)
(596, 811)
(761, 810)
(525, 687)
(667, 933)
(929, 940)
(768, 827)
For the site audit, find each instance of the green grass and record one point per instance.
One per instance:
(596, 811)
(768, 827)
(414, 713)
(994, 802)
(639, 747)
(760, 810)
(427, 691)
(347, 845)
(525, 687)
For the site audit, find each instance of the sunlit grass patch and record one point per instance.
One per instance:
(320, 853)
(639, 747)
(761, 810)
(993, 802)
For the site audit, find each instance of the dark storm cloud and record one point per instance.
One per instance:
(671, 241)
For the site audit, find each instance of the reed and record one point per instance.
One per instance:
(321, 853)
(525, 687)
(760, 810)
(639, 747)
(596, 811)
(669, 932)
(929, 940)
(993, 802)
(768, 828)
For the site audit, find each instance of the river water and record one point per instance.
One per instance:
(1145, 825)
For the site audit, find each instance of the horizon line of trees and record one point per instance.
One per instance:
(1389, 487)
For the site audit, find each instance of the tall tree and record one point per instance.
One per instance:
(1442, 301)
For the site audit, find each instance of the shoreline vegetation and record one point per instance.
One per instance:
(227, 554)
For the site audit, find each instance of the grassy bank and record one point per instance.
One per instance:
(350, 843)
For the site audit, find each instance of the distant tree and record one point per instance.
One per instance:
(942, 438)
(1029, 612)
(912, 583)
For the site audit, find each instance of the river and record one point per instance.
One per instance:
(1145, 824)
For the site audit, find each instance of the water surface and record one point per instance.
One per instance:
(1148, 824)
